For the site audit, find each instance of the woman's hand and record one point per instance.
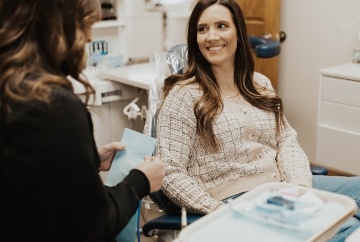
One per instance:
(153, 168)
(107, 153)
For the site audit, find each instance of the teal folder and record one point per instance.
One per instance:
(137, 146)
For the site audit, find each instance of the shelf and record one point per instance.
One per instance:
(109, 24)
(349, 71)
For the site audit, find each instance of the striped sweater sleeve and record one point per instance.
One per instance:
(176, 133)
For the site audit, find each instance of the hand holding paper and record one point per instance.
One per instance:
(154, 171)
(137, 146)
(107, 153)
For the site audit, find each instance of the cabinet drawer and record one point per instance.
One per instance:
(338, 149)
(339, 115)
(341, 91)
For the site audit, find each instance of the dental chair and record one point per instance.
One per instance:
(167, 227)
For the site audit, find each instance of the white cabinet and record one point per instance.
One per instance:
(134, 34)
(338, 131)
(145, 33)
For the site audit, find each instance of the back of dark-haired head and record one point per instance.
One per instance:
(42, 42)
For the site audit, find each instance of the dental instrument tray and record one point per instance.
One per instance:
(274, 212)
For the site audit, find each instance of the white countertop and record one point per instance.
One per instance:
(349, 71)
(106, 90)
(140, 75)
(137, 75)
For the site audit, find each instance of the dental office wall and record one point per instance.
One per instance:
(313, 42)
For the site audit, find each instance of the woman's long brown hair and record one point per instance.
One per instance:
(41, 43)
(210, 104)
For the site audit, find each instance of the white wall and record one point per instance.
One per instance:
(313, 42)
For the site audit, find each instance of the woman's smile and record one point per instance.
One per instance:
(216, 48)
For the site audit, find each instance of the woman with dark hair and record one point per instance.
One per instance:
(221, 128)
(49, 183)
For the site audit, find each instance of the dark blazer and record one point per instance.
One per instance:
(50, 189)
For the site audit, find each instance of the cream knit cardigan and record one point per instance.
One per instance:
(251, 152)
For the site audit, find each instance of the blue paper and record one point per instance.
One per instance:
(137, 146)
